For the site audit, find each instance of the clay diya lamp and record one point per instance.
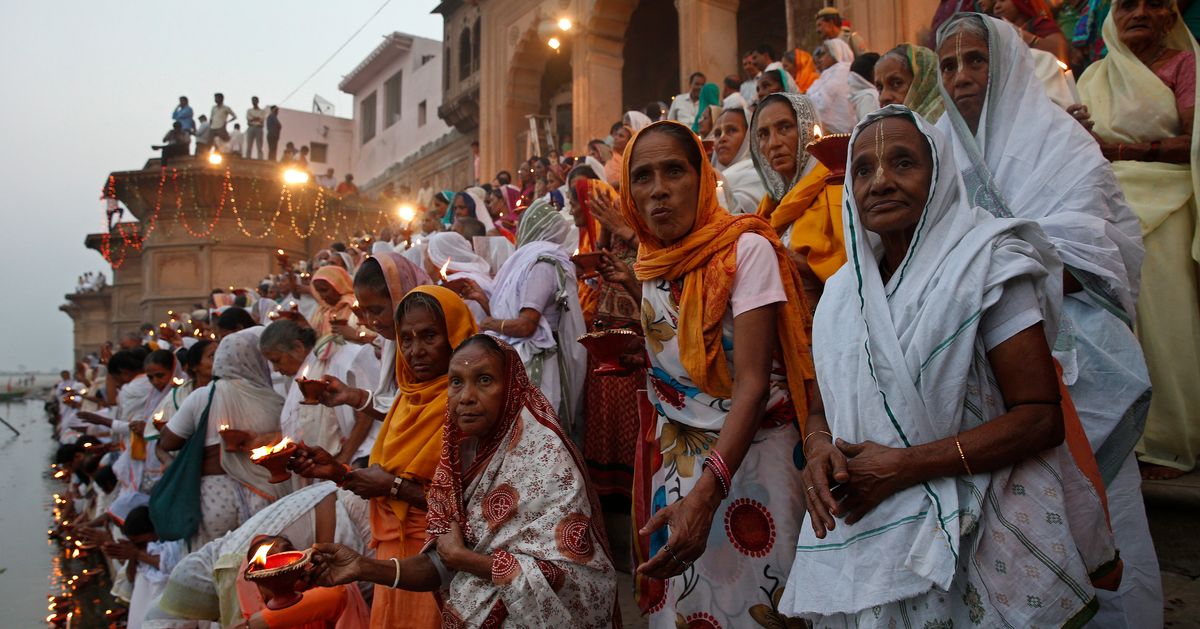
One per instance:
(279, 574)
(587, 263)
(310, 389)
(234, 439)
(607, 346)
(275, 458)
(831, 151)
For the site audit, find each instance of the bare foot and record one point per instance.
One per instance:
(1159, 472)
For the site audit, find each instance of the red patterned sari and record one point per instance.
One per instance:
(525, 500)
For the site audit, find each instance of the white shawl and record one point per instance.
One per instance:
(903, 364)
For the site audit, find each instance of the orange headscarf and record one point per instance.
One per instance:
(806, 70)
(589, 237)
(410, 442)
(706, 260)
(340, 280)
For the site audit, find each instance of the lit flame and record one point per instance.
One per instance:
(259, 453)
(817, 131)
(295, 176)
(554, 44)
(214, 157)
(279, 252)
(83, 392)
(407, 213)
(75, 555)
(223, 427)
(1064, 67)
(158, 416)
(304, 374)
(564, 24)
(260, 555)
(178, 381)
(444, 267)
(576, 252)
(355, 304)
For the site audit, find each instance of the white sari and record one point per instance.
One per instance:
(904, 364)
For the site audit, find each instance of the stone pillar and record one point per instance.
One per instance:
(91, 316)
(707, 38)
(596, 88)
(886, 23)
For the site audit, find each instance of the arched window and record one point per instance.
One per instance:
(464, 54)
(446, 70)
(475, 50)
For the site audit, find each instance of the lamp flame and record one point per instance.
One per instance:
(1062, 66)
(279, 252)
(259, 453)
(444, 268)
(214, 157)
(260, 555)
(304, 374)
(817, 131)
(407, 213)
(564, 24)
(554, 44)
(223, 427)
(178, 381)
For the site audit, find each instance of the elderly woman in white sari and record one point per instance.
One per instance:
(742, 186)
(534, 307)
(941, 492)
(1023, 156)
(232, 488)
(293, 351)
(1142, 97)
(450, 257)
(830, 93)
(204, 585)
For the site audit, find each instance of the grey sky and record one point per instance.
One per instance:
(89, 86)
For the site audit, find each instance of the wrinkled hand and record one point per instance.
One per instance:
(689, 521)
(876, 473)
(824, 469)
(334, 564)
(1081, 115)
(450, 544)
(315, 462)
(138, 428)
(469, 290)
(613, 269)
(369, 482)
(338, 393)
(606, 210)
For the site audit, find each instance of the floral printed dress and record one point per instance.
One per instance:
(738, 580)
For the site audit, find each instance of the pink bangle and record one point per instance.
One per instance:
(716, 464)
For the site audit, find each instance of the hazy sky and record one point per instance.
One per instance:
(89, 86)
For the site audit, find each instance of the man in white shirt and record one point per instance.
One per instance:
(256, 117)
(749, 89)
(683, 107)
(220, 116)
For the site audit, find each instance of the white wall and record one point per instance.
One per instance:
(303, 127)
(419, 83)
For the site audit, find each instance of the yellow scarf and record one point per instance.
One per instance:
(706, 260)
(814, 211)
(410, 442)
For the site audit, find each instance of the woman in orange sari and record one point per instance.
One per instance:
(799, 63)
(431, 321)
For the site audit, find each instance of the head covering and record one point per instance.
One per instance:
(402, 276)
(542, 222)
(807, 205)
(340, 280)
(806, 118)
(589, 234)
(635, 121)
(448, 197)
(512, 196)
(558, 523)
(453, 248)
(908, 351)
(1029, 158)
(710, 95)
(245, 399)
(409, 442)
(785, 79)
(806, 70)
(474, 197)
(830, 93)
(703, 259)
(743, 150)
(924, 93)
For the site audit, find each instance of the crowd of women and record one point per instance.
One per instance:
(916, 394)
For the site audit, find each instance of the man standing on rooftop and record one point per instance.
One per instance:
(274, 128)
(255, 119)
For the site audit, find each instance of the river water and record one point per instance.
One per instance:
(25, 490)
